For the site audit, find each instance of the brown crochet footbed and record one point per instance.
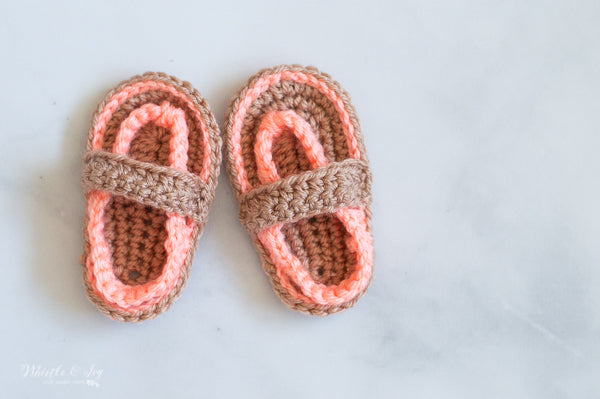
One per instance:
(322, 239)
(135, 232)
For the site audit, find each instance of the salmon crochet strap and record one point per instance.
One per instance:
(165, 188)
(298, 165)
(150, 129)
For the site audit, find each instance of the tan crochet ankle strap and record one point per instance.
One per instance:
(314, 192)
(164, 188)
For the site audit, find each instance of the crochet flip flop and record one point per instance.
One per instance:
(298, 165)
(149, 177)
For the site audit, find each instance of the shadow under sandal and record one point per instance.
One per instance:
(149, 177)
(298, 165)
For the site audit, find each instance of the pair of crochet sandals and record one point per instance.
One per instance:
(296, 160)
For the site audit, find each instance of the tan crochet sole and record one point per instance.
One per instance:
(135, 232)
(318, 241)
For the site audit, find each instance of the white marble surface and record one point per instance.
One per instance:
(482, 124)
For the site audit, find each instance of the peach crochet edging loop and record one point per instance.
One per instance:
(179, 231)
(260, 86)
(291, 272)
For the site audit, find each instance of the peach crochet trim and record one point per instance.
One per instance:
(179, 232)
(137, 88)
(289, 268)
(259, 87)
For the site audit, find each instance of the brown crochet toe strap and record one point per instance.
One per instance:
(165, 188)
(307, 194)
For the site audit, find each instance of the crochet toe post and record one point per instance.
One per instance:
(298, 165)
(149, 177)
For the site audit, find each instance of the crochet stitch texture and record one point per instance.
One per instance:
(149, 178)
(298, 165)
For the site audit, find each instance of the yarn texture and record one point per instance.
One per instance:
(297, 162)
(149, 177)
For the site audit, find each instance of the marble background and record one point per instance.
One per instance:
(481, 122)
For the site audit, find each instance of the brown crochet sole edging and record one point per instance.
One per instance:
(158, 308)
(293, 303)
